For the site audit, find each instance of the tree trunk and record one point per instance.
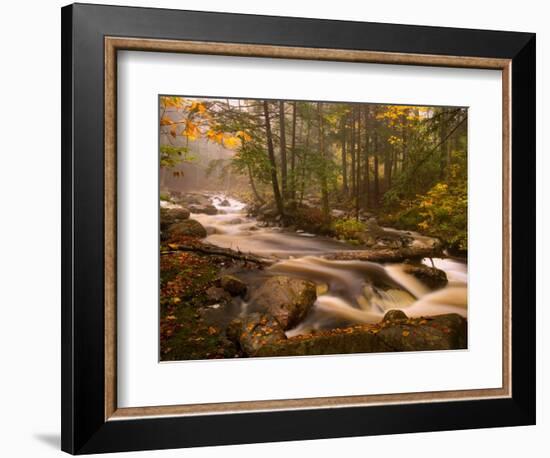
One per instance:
(344, 157)
(283, 149)
(273, 164)
(404, 153)
(444, 148)
(324, 184)
(376, 195)
(352, 153)
(366, 179)
(293, 154)
(358, 186)
(253, 186)
(304, 163)
(387, 166)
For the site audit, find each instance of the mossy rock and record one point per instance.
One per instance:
(187, 228)
(169, 216)
(325, 344)
(254, 332)
(442, 332)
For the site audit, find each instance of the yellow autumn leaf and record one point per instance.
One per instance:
(198, 107)
(232, 142)
(243, 135)
(191, 130)
(211, 135)
(218, 138)
(405, 333)
(165, 121)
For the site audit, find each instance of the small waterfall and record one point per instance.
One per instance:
(349, 292)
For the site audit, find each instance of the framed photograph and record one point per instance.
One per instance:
(270, 222)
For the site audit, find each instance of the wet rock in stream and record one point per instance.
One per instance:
(433, 278)
(394, 315)
(287, 299)
(206, 209)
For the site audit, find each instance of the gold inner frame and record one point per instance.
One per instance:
(114, 44)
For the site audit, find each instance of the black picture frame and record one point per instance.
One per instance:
(84, 428)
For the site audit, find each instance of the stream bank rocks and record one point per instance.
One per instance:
(206, 209)
(187, 228)
(287, 299)
(441, 332)
(175, 222)
(169, 216)
(195, 202)
(260, 335)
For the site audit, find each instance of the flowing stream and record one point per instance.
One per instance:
(349, 292)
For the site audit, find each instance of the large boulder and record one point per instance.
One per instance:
(433, 278)
(169, 216)
(260, 334)
(206, 209)
(225, 203)
(285, 298)
(338, 341)
(442, 332)
(187, 228)
(255, 331)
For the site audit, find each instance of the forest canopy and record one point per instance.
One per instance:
(329, 167)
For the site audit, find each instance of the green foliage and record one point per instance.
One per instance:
(252, 157)
(348, 228)
(165, 197)
(441, 212)
(170, 156)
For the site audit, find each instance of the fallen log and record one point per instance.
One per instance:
(385, 254)
(217, 251)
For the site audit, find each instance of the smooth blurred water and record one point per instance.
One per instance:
(348, 291)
